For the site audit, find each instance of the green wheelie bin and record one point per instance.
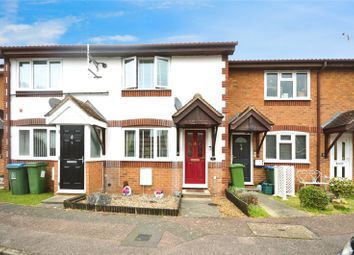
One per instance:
(36, 177)
(269, 174)
(18, 178)
(237, 176)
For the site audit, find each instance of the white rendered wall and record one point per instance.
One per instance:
(188, 75)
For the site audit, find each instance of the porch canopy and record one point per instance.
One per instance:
(198, 113)
(339, 123)
(251, 121)
(72, 111)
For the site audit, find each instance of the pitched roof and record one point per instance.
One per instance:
(250, 120)
(87, 107)
(197, 112)
(340, 122)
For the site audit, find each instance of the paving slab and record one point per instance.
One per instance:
(278, 209)
(198, 207)
(57, 199)
(281, 231)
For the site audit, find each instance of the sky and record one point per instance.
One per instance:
(264, 29)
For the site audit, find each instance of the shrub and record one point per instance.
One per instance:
(249, 198)
(313, 197)
(341, 187)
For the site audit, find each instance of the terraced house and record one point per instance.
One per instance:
(100, 115)
(172, 116)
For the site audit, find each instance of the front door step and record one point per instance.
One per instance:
(57, 199)
(195, 193)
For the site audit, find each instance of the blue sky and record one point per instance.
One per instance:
(264, 29)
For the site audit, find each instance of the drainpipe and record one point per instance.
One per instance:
(318, 149)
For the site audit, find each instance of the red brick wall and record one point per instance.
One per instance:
(94, 177)
(246, 87)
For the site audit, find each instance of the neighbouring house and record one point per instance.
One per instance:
(2, 144)
(99, 115)
(291, 112)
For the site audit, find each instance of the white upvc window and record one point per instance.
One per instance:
(287, 146)
(146, 143)
(37, 142)
(287, 85)
(39, 74)
(146, 72)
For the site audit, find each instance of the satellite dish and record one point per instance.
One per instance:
(178, 104)
(54, 102)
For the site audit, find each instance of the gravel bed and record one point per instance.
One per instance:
(226, 208)
(145, 201)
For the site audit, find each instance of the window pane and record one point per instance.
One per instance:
(286, 89)
(52, 143)
(95, 144)
(335, 151)
(129, 73)
(54, 74)
(271, 146)
(343, 150)
(162, 142)
(190, 144)
(146, 143)
(272, 80)
(146, 73)
(40, 74)
(301, 84)
(129, 143)
(285, 151)
(162, 72)
(300, 146)
(285, 137)
(25, 74)
(39, 143)
(24, 147)
(200, 144)
(287, 75)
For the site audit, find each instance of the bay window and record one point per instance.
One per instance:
(146, 143)
(287, 85)
(145, 72)
(39, 74)
(285, 146)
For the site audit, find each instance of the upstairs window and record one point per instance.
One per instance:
(39, 74)
(146, 73)
(287, 85)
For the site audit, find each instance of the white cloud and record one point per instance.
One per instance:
(106, 15)
(43, 32)
(113, 38)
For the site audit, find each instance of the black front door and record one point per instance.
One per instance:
(241, 153)
(71, 157)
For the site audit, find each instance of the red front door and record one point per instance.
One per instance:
(194, 157)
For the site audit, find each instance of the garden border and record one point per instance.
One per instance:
(237, 202)
(73, 203)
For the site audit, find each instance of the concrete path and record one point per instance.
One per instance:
(38, 230)
(198, 207)
(278, 209)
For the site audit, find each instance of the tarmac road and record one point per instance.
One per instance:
(38, 230)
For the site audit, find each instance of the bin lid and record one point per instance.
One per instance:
(15, 165)
(36, 164)
(237, 165)
(269, 167)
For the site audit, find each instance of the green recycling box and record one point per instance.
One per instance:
(237, 176)
(18, 178)
(36, 177)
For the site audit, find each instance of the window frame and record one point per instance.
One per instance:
(31, 76)
(292, 141)
(31, 143)
(293, 79)
(136, 78)
(155, 157)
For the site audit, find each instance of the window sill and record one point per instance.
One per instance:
(146, 93)
(39, 93)
(267, 161)
(287, 99)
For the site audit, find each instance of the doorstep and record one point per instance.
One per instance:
(57, 199)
